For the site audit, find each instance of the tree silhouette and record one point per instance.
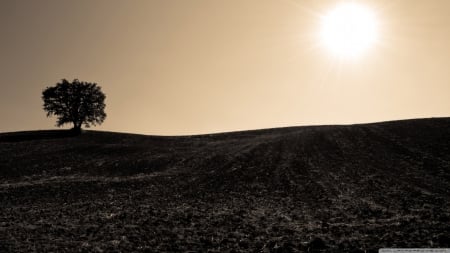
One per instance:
(75, 102)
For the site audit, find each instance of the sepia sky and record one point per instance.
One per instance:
(174, 67)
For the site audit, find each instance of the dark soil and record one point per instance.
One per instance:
(319, 189)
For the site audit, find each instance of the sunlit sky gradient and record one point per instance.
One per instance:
(175, 67)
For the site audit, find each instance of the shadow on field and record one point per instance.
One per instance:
(37, 135)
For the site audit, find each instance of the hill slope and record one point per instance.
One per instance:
(356, 187)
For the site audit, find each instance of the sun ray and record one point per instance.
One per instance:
(348, 30)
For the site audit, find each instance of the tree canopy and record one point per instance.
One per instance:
(78, 103)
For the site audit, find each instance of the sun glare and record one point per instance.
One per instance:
(349, 30)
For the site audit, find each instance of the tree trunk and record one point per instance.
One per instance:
(76, 128)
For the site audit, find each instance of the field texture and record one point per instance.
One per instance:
(319, 189)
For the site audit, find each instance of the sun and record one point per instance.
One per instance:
(349, 30)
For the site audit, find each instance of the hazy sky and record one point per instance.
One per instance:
(191, 66)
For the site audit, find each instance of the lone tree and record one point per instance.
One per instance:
(75, 103)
